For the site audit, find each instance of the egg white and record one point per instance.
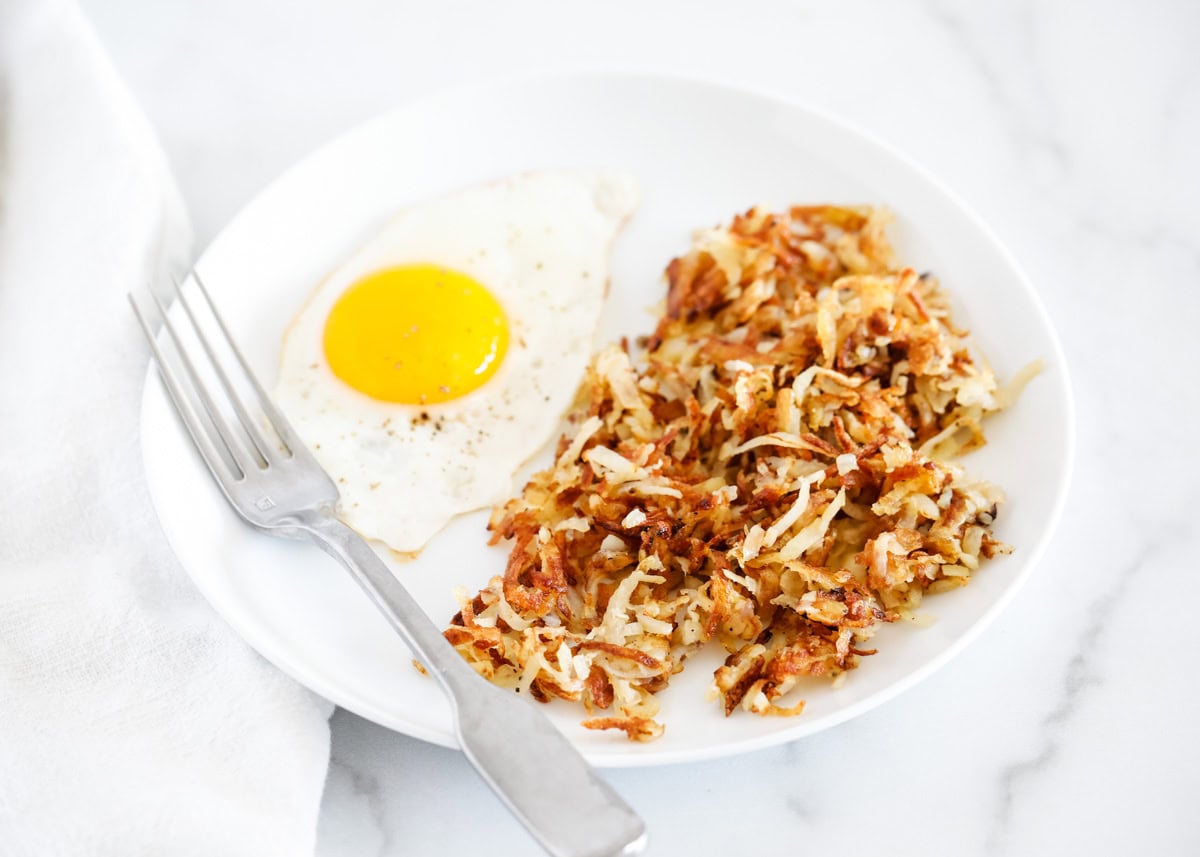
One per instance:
(540, 243)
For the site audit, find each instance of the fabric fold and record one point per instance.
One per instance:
(132, 720)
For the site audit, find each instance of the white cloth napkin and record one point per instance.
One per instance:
(132, 720)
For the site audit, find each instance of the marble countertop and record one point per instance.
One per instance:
(1069, 726)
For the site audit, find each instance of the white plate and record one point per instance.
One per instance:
(702, 152)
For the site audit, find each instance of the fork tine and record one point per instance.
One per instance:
(200, 436)
(206, 400)
(278, 422)
(266, 450)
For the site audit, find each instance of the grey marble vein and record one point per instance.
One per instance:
(367, 788)
(1081, 675)
(1031, 106)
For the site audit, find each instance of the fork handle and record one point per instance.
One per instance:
(530, 765)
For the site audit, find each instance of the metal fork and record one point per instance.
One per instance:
(276, 485)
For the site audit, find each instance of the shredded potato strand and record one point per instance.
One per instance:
(773, 475)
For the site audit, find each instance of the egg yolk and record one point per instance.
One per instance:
(417, 334)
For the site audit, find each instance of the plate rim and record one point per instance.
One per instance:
(1032, 554)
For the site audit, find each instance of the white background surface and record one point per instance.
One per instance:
(1072, 128)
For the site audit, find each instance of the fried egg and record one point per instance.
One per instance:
(433, 363)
